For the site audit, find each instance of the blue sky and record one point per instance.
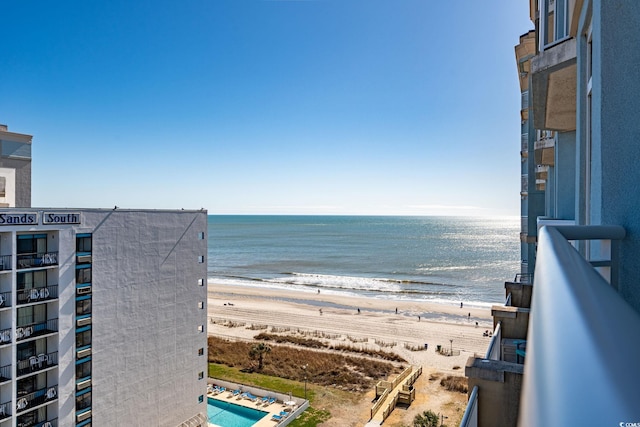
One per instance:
(268, 107)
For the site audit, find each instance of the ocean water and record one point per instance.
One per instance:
(440, 259)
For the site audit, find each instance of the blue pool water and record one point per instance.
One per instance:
(227, 414)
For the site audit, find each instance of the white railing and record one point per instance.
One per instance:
(582, 346)
(470, 418)
(494, 350)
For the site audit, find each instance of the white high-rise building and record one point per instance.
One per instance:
(103, 317)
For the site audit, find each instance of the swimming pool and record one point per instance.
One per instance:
(227, 414)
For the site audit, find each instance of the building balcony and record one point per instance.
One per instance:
(5, 299)
(36, 260)
(37, 363)
(5, 336)
(37, 329)
(37, 294)
(581, 366)
(37, 398)
(544, 151)
(554, 77)
(5, 373)
(5, 262)
(5, 411)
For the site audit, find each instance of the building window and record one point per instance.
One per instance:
(83, 369)
(200, 375)
(200, 282)
(83, 275)
(32, 244)
(16, 150)
(83, 306)
(83, 401)
(200, 304)
(201, 235)
(200, 398)
(32, 279)
(200, 328)
(83, 243)
(201, 259)
(83, 338)
(32, 314)
(200, 351)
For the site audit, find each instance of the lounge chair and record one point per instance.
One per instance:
(250, 397)
(275, 417)
(270, 401)
(234, 393)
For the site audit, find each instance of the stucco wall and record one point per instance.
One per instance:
(145, 317)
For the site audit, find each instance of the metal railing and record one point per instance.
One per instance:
(493, 351)
(36, 329)
(49, 423)
(24, 402)
(582, 354)
(33, 260)
(5, 410)
(5, 373)
(37, 363)
(5, 336)
(470, 418)
(525, 278)
(42, 293)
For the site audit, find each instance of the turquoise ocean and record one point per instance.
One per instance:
(439, 259)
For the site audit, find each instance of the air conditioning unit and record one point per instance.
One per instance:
(81, 354)
(83, 259)
(83, 416)
(83, 322)
(83, 290)
(83, 384)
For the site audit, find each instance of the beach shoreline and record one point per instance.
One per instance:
(237, 312)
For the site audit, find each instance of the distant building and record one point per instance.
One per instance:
(102, 317)
(563, 351)
(15, 169)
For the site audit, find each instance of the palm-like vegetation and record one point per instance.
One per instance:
(259, 350)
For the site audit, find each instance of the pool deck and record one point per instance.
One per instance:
(273, 409)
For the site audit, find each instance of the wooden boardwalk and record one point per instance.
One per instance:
(391, 392)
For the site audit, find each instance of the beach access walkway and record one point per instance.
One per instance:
(390, 393)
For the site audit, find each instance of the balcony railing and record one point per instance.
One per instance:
(34, 260)
(37, 363)
(523, 278)
(43, 293)
(36, 398)
(470, 418)
(50, 423)
(5, 336)
(5, 262)
(5, 410)
(494, 350)
(5, 373)
(582, 352)
(36, 329)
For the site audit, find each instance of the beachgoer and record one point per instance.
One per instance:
(461, 305)
(418, 318)
(396, 310)
(476, 324)
(318, 290)
(320, 312)
(358, 311)
(469, 316)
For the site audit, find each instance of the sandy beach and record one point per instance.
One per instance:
(239, 312)
(338, 315)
